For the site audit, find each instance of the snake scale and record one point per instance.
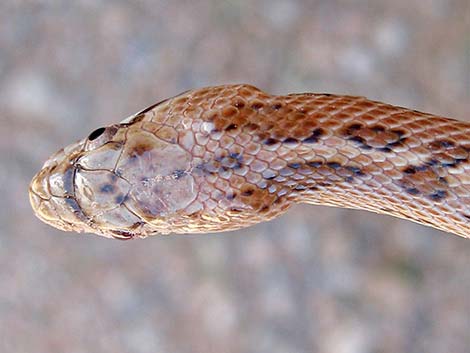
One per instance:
(226, 157)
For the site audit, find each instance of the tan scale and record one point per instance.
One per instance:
(226, 157)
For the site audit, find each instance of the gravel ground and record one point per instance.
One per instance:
(316, 280)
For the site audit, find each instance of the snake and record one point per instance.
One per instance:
(226, 157)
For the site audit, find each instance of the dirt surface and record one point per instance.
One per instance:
(318, 279)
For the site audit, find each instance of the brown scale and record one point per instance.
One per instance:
(226, 157)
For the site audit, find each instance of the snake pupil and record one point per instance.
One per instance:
(95, 134)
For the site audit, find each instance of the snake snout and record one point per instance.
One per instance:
(52, 194)
(43, 202)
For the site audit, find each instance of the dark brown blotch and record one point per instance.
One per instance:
(443, 180)
(257, 105)
(445, 163)
(70, 201)
(113, 178)
(294, 165)
(233, 161)
(236, 155)
(107, 188)
(300, 187)
(352, 133)
(290, 141)
(206, 168)
(413, 169)
(231, 196)
(75, 208)
(270, 141)
(120, 199)
(441, 144)
(438, 195)
(264, 209)
(399, 132)
(247, 191)
(269, 176)
(318, 132)
(315, 164)
(315, 136)
(252, 127)
(377, 128)
(410, 170)
(351, 129)
(229, 111)
(231, 127)
(212, 117)
(465, 216)
(399, 141)
(385, 149)
(333, 165)
(432, 162)
(141, 148)
(355, 170)
(412, 191)
(178, 174)
(361, 142)
(239, 104)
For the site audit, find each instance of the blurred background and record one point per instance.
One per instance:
(316, 280)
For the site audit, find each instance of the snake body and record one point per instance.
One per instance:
(226, 157)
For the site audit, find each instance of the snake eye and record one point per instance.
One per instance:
(95, 134)
(100, 136)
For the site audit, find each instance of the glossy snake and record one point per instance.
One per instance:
(226, 157)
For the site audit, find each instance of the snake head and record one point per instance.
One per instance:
(114, 183)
